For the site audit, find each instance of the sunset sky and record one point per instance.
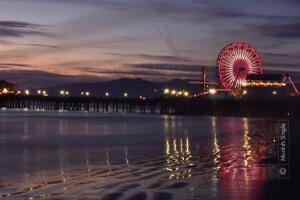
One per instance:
(50, 42)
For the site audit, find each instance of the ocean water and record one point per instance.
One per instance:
(80, 155)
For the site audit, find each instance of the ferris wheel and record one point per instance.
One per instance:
(235, 62)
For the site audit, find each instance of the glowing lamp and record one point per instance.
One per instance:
(179, 93)
(212, 91)
(5, 91)
(27, 92)
(166, 91)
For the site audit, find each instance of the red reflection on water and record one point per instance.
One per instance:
(240, 171)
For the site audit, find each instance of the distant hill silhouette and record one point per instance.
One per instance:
(134, 87)
(5, 84)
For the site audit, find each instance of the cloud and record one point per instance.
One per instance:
(129, 72)
(164, 58)
(5, 32)
(158, 72)
(278, 55)
(280, 58)
(37, 79)
(290, 30)
(153, 74)
(7, 42)
(172, 67)
(281, 62)
(20, 29)
(14, 66)
(17, 24)
(42, 45)
(283, 67)
(237, 14)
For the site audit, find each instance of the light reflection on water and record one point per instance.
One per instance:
(178, 159)
(128, 156)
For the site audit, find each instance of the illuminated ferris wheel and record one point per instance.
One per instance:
(235, 62)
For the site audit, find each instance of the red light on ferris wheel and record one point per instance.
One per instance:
(235, 62)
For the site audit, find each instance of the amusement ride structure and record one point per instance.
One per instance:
(237, 62)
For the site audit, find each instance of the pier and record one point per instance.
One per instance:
(288, 107)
